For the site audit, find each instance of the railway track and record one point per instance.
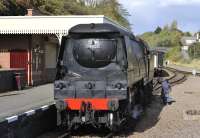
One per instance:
(65, 135)
(110, 135)
(177, 78)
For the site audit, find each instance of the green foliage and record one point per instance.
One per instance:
(174, 25)
(50, 7)
(166, 37)
(2, 6)
(164, 43)
(187, 34)
(158, 30)
(174, 54)
(11, 8)
(194, 51)
(114, 10)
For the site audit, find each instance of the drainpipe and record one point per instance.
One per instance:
(30, 74)
(30, 82)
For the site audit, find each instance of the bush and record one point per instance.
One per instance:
(194, 51)
(185, 61)
(174, 54)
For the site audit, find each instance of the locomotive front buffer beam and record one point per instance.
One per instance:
(97, 112)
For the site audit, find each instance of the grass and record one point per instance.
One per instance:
(195, 63)
(175, 57)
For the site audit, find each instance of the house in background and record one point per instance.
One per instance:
(32, 42)
(187, 41)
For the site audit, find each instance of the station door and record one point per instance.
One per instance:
(19, 59)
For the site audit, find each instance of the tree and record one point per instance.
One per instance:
(11, 7)
(158, 30)
(166, 27)
(114, 10)
(165, 37)
(194, 50)
(187, 34)
(165, 43)
(174, 25)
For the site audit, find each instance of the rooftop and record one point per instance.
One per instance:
(48, 24)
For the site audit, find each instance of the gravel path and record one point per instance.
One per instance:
(169, 121)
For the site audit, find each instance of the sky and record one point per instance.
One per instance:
(146, 15)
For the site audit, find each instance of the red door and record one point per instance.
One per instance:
(19, 59)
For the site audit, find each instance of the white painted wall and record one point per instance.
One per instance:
(189, 42)
(185, 48)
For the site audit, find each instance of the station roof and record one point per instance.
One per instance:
(160, 49)
(48, 24)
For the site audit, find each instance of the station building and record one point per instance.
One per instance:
(32, 43)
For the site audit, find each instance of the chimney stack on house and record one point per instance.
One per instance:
(29, 12)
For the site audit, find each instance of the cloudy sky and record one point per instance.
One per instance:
(146, 15)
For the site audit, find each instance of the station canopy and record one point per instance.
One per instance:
(47, 24)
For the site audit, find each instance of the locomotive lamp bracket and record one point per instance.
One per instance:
(90, 85)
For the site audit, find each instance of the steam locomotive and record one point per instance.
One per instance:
(103, 72)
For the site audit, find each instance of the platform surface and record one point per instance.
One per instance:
(16, 102)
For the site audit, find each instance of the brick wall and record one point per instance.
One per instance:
(5, 59)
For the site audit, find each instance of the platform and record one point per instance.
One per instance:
(16, 102)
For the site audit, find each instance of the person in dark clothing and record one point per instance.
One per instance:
(166, 88)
